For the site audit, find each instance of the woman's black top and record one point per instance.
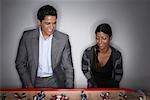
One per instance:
(103, 74)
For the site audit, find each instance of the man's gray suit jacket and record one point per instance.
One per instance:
(28, 58)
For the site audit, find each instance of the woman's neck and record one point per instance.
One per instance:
(105, 50)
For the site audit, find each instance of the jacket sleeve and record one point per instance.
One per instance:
(21, 62)
(86, 70)
(68, 65)
(118, 68)
(86, 65)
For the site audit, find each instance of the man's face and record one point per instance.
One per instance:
(48, 25)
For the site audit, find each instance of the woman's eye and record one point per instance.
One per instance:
(97, 38)
(104, 38)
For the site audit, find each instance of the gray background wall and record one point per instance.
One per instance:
(131, 32)
(0, 43)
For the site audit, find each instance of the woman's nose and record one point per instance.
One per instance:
(100, 41)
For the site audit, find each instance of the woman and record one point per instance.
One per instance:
(102, 63)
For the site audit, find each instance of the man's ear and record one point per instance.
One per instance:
(110, 38)
(39, 22)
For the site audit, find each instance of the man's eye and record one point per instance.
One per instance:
(46, 23)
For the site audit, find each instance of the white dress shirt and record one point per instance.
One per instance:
(45, 65)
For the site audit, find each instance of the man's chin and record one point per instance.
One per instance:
(51, 32)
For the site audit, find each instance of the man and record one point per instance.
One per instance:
(44, 54)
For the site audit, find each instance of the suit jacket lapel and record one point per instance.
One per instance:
(55, 49)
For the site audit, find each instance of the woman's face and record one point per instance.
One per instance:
(102, 40)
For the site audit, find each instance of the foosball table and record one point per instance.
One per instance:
(73, 94)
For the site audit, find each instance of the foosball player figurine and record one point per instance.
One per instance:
(141, 98)
(141, 94)
(105, 96)
(53, 97)
(40, 96)
(64, 97)
(83, 95)
(123, 96)
(3, 96)
(58, 97)
(17, 96)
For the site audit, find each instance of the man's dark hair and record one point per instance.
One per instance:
(46, 10)
(104, 28)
